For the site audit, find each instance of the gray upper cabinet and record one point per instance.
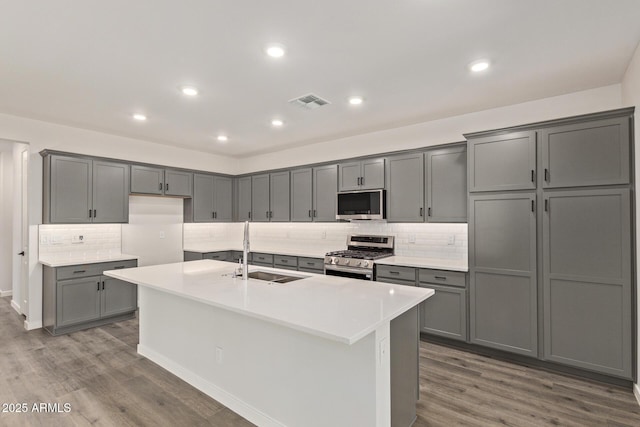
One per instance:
(587, 280)
(502, 266)
(243, 197)
(177, 183)
(222, 198)
(361, 175)
(151, 180)
(279, 197)
(325, 187)
(260, 197)
(203, 210)
(79, 190)
(502, 162)
(147, 180)
(586, 154)
(301, 195)
(446, 185)
(405, 188)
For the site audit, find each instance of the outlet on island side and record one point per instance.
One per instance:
(219, 355)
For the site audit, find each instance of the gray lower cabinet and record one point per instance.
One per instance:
(587, 280)
(260, 198)
(243, 199)
(302, 195)
(216, 256)
(81, 190)
(159, 181)
(445, 313)
(311, 265)
(446, 184)
(325, 187)
(398, 275)
(80, 297)
(287, 262)
(265, 260)
(502, 265)
(586, 154)
(502, 162)
(361, 175)
(405, 188)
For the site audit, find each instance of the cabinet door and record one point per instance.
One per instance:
(502, 265)
(279, 197)
(504, 162)
(110, 192)
(223, 198)
(587, 280)
(177, 183)
(405, 185)
(445, 313)
(260, 198)
(349, 176)
(147, 180)
(446, 185)
(203, 198)
(244, 198)
(372, 174)
(301, 195)
(71, 190)
(117, 297)
(78, 301)
(586, 154)
(325, 188)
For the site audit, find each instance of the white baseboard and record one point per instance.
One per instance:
(636, 392)
(227, 399)
(29, 326)
(6, 293)
(15, 306)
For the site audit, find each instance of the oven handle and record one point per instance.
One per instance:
(347, 269)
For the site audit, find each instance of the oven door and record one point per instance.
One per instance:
(354, 273)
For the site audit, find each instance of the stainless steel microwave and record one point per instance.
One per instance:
(369, 204)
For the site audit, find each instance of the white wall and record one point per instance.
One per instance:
(154, 231)
(631, 96)
(6, 217)
(441, 131)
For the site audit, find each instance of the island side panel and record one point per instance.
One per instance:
(270, 374)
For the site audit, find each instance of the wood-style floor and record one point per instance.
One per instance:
(99, 373)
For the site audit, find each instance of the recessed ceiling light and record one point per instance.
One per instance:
(355, 100)
(189, 90)
(139, 117)
(223, 138)
(478, 66)
(275, 50)
(276, 122)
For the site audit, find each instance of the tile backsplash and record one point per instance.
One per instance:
(78, 239)
(440, 241)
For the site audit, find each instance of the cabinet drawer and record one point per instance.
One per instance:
(118, 265)
(442, 277)
(396, 281)
(395, 272)
(285, 261)
(260, 258)
(311, 263)
(82, 270)
(217, 256)
(237, 256)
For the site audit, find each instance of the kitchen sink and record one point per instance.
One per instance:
(268, 276)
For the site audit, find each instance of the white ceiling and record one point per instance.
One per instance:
(92, 64)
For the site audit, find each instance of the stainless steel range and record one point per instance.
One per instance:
(357, 260)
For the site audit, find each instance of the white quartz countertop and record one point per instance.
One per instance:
(332, 307)
(434, 263)
(88, 258)
(214, 247)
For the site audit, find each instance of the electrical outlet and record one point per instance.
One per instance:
(412, 238)
(56, 239)
(219, 355)
(451, 240)
(77, 239)
(162, 234)
(323, 235)
(44, 239)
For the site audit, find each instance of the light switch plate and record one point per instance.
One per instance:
(451, 240)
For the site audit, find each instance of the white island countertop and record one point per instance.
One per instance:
(337, 308)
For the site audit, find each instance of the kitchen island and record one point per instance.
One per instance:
(318, 351)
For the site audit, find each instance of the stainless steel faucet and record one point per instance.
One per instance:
(245, 252)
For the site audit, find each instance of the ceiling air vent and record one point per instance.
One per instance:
(309, 102)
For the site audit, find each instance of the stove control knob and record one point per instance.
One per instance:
(360, 263)
(334, 260)
(346, 262)
(365, 263)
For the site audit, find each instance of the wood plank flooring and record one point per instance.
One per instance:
(99, 373)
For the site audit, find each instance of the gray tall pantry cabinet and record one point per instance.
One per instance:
(550, 247)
